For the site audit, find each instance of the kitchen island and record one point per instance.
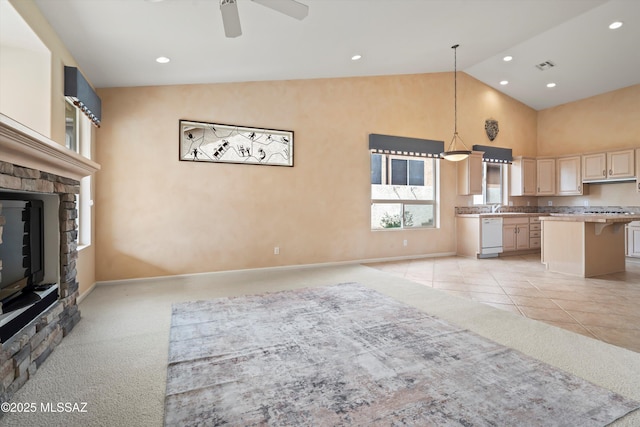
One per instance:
(584, 245)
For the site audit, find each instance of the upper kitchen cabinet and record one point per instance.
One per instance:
(546, 177)
(569, 176)
(611, 166)
(470, 175)
(638, 169)
(594, 167)
(523, 176)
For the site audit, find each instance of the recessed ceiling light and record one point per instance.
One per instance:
(551, 85)
(162, 59)
(504, 82)
(507, 58)
(356, 57)
(615, 25)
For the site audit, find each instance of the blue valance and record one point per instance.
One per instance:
(387, 144)
(494, 154)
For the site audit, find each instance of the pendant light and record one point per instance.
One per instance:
(453, 154)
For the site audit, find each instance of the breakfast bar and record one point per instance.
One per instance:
(584, 245)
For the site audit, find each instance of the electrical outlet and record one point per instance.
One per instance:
(276, 250)
(528, 203)
(404, 242)
(510, 203)
(550, 202)
(586, 203)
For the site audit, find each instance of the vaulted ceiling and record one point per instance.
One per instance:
(116, 42)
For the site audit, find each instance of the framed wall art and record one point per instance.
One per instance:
(218, 143)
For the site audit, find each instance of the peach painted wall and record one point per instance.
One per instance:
(599, 123)
(158, 216)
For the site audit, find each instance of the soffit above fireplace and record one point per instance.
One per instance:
(23, 146)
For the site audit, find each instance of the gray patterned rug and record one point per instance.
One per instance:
(347, 355)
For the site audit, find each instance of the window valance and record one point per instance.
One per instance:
(387, 144)
(494, 154)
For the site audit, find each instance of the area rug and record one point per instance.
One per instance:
(346, 355)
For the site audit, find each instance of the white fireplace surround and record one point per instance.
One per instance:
(23, 146)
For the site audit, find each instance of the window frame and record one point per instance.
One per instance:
(386, 176)
(481, 199)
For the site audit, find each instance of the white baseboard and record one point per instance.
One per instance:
(277, 268)
(85, 294)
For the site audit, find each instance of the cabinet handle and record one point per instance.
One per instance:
(604, 172)
(610, 171)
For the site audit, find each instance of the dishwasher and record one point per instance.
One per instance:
(491, 237)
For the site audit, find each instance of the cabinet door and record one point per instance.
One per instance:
(621, 164)
(633, 241)
(470, 175)
(594, 167)
(638, 169)
(569, 176)
(522, 236)
(523, 177)
(546, 171)
(509, 237)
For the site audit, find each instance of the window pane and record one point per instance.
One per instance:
(386, 215)
(493, 182)
(416, 172)
(71, 127)
(398, 172)
(418, 216)
(376, 168)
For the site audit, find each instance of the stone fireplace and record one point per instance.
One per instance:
(40, 168)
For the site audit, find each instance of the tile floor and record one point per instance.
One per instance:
(604, 307)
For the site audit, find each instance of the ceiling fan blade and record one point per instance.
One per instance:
(291, 8)
(230, 18)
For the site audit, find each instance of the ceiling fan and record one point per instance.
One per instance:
(231, 19)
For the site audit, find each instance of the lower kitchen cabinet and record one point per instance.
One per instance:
(633, 239)
(515, 234)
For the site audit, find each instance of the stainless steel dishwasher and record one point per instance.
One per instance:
(491, 237)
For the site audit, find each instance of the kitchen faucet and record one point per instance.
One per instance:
(495, 208)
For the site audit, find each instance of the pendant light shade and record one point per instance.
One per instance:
(455, 152)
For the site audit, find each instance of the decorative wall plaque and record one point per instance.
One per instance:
(491, 127)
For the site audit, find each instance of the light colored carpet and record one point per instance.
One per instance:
(118, 352)
(347, 355)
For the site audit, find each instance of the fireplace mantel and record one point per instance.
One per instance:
(23, 146)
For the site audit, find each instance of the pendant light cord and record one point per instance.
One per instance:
(455, 89)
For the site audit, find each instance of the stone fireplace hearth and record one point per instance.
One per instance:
(31, 163)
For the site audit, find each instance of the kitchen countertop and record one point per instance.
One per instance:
(502, 215)
(599, 218)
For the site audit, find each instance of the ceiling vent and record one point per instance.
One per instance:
(545, 65)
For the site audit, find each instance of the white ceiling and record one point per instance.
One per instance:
(115, 42)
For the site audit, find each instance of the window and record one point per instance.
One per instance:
(72, 130)
(402, 192)
(79, 134)
(492, 184)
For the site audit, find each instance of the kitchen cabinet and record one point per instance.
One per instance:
(621, 164)
(638, 169)
(535, 233)
(569, 176)
(515, 234)
(594, 167)
(546, 177)
(470, 175)
(610, 166)
(632, 238)
(523, 176)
